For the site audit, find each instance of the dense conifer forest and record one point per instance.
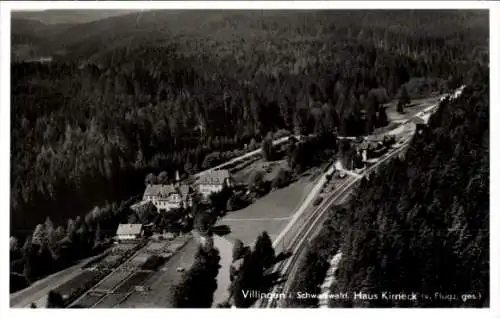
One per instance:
(419, 225)
(186, 90)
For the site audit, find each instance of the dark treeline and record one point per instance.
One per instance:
(49, 248)
(419, 225)
(88, 129)
(251, 274)
(199, 282)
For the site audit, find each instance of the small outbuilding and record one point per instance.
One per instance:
(129, 232)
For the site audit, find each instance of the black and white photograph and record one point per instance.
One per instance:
(249, 158)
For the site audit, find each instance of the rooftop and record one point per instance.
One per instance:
(129, 229)
(214, 177)
(166, 190)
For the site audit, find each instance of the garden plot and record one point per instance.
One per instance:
(89, 300)
(134, 280)
(112, 281)
(156, 246)
(162, 249)
(138, 260)
(110, 259)
(79, 282)
(163, 281)
(110, 300)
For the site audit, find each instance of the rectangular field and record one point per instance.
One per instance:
(110, 282)
(135, 279)
(89, 300)
(110, 259)
(110, 300)
(175, 246)
(280, 203)
(270, 213)
(152, 263)
(79, 281)
(156, 246)
(138, 260)
(123, 247)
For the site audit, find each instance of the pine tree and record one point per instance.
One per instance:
(39, 234)
(238, 249)
(98, 235)
(267, 147)
(54, 300)
(382, 117)
(264, 250)
(404, 99)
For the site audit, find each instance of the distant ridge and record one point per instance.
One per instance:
(68, 16)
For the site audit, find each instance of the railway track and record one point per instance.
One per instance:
(310, 228)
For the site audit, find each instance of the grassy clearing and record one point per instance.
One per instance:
(270, 213)
(276, 204)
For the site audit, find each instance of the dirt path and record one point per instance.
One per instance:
(225, 248)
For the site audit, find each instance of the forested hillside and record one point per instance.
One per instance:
(425, 227)
(87, 128)
(419, 225)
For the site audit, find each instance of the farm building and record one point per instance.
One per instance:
(168, 197)
(128, 232)
(214, 181)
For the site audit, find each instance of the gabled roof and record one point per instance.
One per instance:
(214, 177)
(164, 191)
(153, 190)
(129, 229)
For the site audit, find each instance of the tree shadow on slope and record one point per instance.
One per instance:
(282, 256)
(221, 230)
